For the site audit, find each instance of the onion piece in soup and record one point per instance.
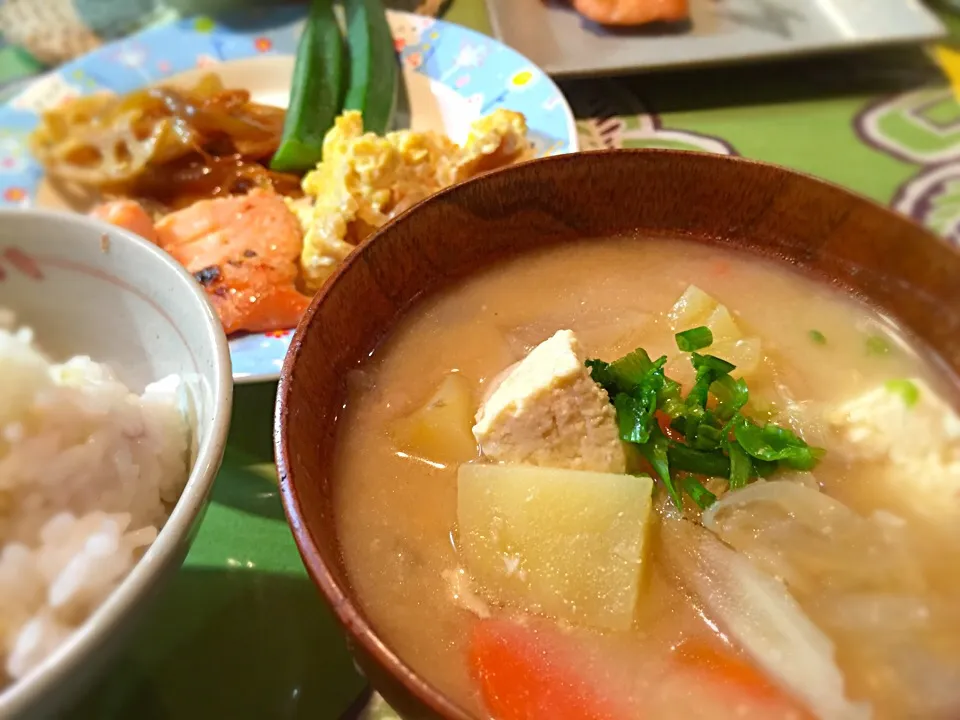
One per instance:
(863, 582)
(757, 613)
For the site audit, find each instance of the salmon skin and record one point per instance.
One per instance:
(632, 12)
(242, 250)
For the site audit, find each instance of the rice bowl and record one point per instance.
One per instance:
(113, 419)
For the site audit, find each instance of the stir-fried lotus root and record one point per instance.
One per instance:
(140, 142)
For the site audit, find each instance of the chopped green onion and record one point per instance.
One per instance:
(694, 339)
(775, 443)
(655, 451)
(669, 399)
(718, 439)
(695, 416)
(877, 345)
(625, 374)
(716, 365)
(639, 382)
(741, 466)
(731, 396)
(603, 376)
(709, 370)
(906, 389)
(635, 417)
(699, 462)
(708, 436)
(818, 337)
(764, 468)
(633, 367)
(698, 493)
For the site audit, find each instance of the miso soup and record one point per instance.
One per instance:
(648, 478)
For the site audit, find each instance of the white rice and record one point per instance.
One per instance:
(88, 473)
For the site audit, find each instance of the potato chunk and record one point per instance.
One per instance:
(744, 353)
(722, 325)
(568, 544)
(440, 431)
(695, 307)
(691, 309)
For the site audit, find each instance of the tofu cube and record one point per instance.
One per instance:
(548, 411)
(905, 424)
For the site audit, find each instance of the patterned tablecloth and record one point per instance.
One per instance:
(241, 632)
(891, 133)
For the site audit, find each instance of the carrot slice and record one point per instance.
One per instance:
(527, 674)
(739, 679)
(721, 267)
(663, 420)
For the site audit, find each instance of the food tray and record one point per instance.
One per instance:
(563, 43)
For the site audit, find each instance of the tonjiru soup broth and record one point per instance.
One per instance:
(494, 505)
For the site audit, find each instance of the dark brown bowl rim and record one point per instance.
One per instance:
(346, 611)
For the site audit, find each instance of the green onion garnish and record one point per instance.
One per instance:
(698, 493)
(774, 443)
(709, 370)
(698, 462)
(694, 339)
(634, 417)
(718, 440)
(818, 337)
(655, 451)
(731, 396)
(624, 374)
(741, 466)
(877, 345)
(906, 389)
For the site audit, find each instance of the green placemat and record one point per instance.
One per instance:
(241, 631)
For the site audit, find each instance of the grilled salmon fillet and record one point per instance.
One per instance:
(242, 249)
(128, 214)
(632, 12)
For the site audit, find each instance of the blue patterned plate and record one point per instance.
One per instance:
(453, 75)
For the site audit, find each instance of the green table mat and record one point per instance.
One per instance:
(241, 633)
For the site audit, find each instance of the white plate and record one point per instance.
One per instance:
(453, 76)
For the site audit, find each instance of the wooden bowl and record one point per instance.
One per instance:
(821, 229)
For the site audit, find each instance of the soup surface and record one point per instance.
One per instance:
(830, 592)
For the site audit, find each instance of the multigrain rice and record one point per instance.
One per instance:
(88, 474)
